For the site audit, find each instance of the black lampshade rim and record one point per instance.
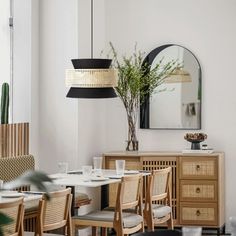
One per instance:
(91, 93)
(91, 63)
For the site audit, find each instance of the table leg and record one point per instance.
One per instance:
(104, 196)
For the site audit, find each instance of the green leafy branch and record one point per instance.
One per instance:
(136, 79)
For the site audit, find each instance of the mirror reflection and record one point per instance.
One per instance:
(175, 104)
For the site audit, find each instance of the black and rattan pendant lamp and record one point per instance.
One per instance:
(91, 78)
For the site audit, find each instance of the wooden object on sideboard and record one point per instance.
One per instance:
(197, 183)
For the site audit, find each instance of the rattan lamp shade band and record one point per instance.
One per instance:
(91, 78)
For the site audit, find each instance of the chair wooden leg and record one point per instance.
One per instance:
(69, 227)
(22, 227)
(94, 231)
(104, 231)
(73, 228)
(142, 229)
(149, 221)
(170, 222)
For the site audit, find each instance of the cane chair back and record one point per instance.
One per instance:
(13, 167)
(55, 213)
(123, 222)
(14, 210)
(128, 197)
(158, 207)
(129, 191)
(160, 183)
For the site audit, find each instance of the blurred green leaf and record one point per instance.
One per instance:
(4, 219)
(37, 178)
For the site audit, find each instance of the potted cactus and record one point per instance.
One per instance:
(14, 138)
(5, 103)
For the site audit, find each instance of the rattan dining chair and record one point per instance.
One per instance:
(158, 202)
(15, 210)
(124, 223)
(54, 213)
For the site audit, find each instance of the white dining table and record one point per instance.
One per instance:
(7, 196)
(75, 178)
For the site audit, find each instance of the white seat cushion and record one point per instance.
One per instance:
(31, 206)
(160, 211)
(129, 219)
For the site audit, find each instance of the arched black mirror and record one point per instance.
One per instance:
(176, 103)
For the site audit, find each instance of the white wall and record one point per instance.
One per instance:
(207, 28)
(76, 130)
(25, 68)
(57, 115)
(69, 129)
(34, 91)
(22, 61)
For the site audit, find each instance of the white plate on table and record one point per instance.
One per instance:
(33, 193)
(114, 176)
(131, 172)
(99, 178)
(11, 194)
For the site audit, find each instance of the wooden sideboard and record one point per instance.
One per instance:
(197, 183)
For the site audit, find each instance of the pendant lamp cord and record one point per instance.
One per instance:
(92, 28)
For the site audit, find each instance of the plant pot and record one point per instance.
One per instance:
(195, 145)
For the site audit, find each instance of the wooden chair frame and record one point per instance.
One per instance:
(117, 223)
(164, 197)
(43, 226)
(19, 215)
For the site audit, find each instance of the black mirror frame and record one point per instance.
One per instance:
(145, 106)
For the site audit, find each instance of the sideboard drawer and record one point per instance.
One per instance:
(198, 168)
(198, 214)
(198, 190)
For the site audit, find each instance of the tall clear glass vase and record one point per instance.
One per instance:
(132, 142)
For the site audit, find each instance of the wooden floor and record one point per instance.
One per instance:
(206, 232)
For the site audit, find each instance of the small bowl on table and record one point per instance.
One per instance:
(195, 139)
